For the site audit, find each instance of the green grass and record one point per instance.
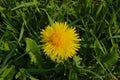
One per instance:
(96, 21)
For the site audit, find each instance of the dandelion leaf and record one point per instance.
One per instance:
(33, 50)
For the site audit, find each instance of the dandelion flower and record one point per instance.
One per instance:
(60, 41)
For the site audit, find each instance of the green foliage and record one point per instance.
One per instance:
(96, 21)
(33, 50)
(8, 73)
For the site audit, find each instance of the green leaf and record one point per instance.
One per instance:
(8, 56)
(112, 57)
(2, 9)
(99, 48)
(73, 75)
(33, 50)
(50, 19)
(21, 75)
(21, 33)
(27, 4)
(8, 73)
(6, 46)
(99, 9)
(77, 60)
(24, 75)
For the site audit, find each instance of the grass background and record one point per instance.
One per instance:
(96, 21)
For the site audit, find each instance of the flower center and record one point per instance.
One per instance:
(56, 40)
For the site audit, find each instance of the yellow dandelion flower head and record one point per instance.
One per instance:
(60, 41)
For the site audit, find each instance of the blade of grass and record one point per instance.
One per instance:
(27, 4)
